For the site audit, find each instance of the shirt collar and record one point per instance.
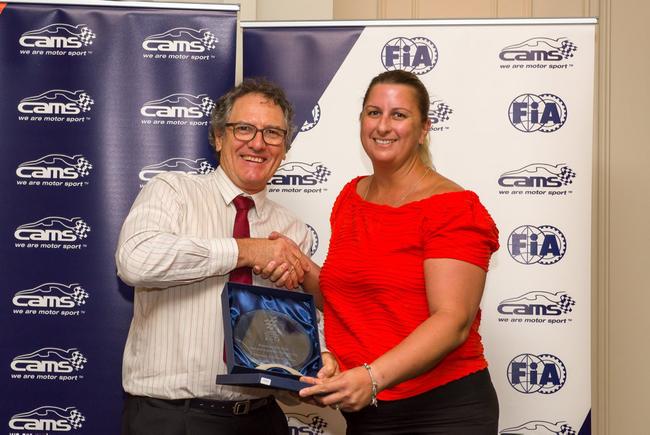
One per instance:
(229, 191)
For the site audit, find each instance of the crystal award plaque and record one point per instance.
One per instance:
(271, 337)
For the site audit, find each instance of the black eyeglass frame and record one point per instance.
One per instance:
(234, 126)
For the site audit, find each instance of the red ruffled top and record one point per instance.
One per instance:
(373, 279)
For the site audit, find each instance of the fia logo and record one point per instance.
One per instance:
(58, 35)
(540, 427)
(545, 244)
(57, 102)
(314, 240)
(545, 113)
(50, 360)
(181, 40)
(310, 424)
(544, 374)
(176, 164)
(539, 175)
(539, 49)
(417, 55)
(313, 121)
(179, 106)
(48, 418)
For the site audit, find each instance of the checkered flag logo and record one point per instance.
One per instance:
(567, 49)
(209, 40)
(206, 105)
(87, 36)
(205, 168)
(75, 419)
(83, 166)
(79, 295)
(442, 112)
(567, 430)
(566, 303)
(271, 324)
(81, 229)
(318, 425)
(78, 360)
(84, 102)
(567, 175)
(272, 329)
(322, 173)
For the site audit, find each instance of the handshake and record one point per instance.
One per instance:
(277, 259)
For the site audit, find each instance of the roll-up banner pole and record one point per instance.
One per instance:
(97, 97)
(512, 119)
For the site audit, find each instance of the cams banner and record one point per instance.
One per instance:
(97, 98)
(512, 119)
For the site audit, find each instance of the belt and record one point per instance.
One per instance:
(221, 407)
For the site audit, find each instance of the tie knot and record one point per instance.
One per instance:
(243, 203)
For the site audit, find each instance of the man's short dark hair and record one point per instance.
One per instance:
(223, 106)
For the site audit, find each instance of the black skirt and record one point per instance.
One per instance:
(467, 406)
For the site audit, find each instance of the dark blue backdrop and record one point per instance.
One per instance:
(94, 100)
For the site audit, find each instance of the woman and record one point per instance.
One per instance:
(403, 281)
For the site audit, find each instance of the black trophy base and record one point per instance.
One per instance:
(262, 380)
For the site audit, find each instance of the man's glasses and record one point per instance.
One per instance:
(246, 132)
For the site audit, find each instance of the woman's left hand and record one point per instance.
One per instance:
(349, 391)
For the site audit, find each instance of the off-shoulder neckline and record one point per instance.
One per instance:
(435, 197)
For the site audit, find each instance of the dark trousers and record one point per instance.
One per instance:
(148, 416)
(468, 406)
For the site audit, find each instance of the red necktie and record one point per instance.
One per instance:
(241, 230)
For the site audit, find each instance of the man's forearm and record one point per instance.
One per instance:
(161, 260)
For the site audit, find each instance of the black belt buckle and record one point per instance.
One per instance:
(241, 408)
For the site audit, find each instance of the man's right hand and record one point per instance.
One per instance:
(277, 259)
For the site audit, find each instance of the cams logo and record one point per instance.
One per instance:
(48, 418)
(176, 164)
(51, 298)
(58, 39)
(538, 53)
(310, 424)
(439, 112)
(537, 307)
(313, 120)
(538, 179)
(417, 55)
(545, 112)
(178, 109)
(314, 240)
(544, 374)
(56, 105)
(545, 244)
(49, 363)
(54, 170)
(53, 232)
(540, 427)
(176, 42)
(300, 177)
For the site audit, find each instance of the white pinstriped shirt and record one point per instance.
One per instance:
(176, 248)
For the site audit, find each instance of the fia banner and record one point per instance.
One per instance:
(512, 118)
(97, 98)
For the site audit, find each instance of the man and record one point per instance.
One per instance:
(178, 249)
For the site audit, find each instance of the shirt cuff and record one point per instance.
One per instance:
(223, 255)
